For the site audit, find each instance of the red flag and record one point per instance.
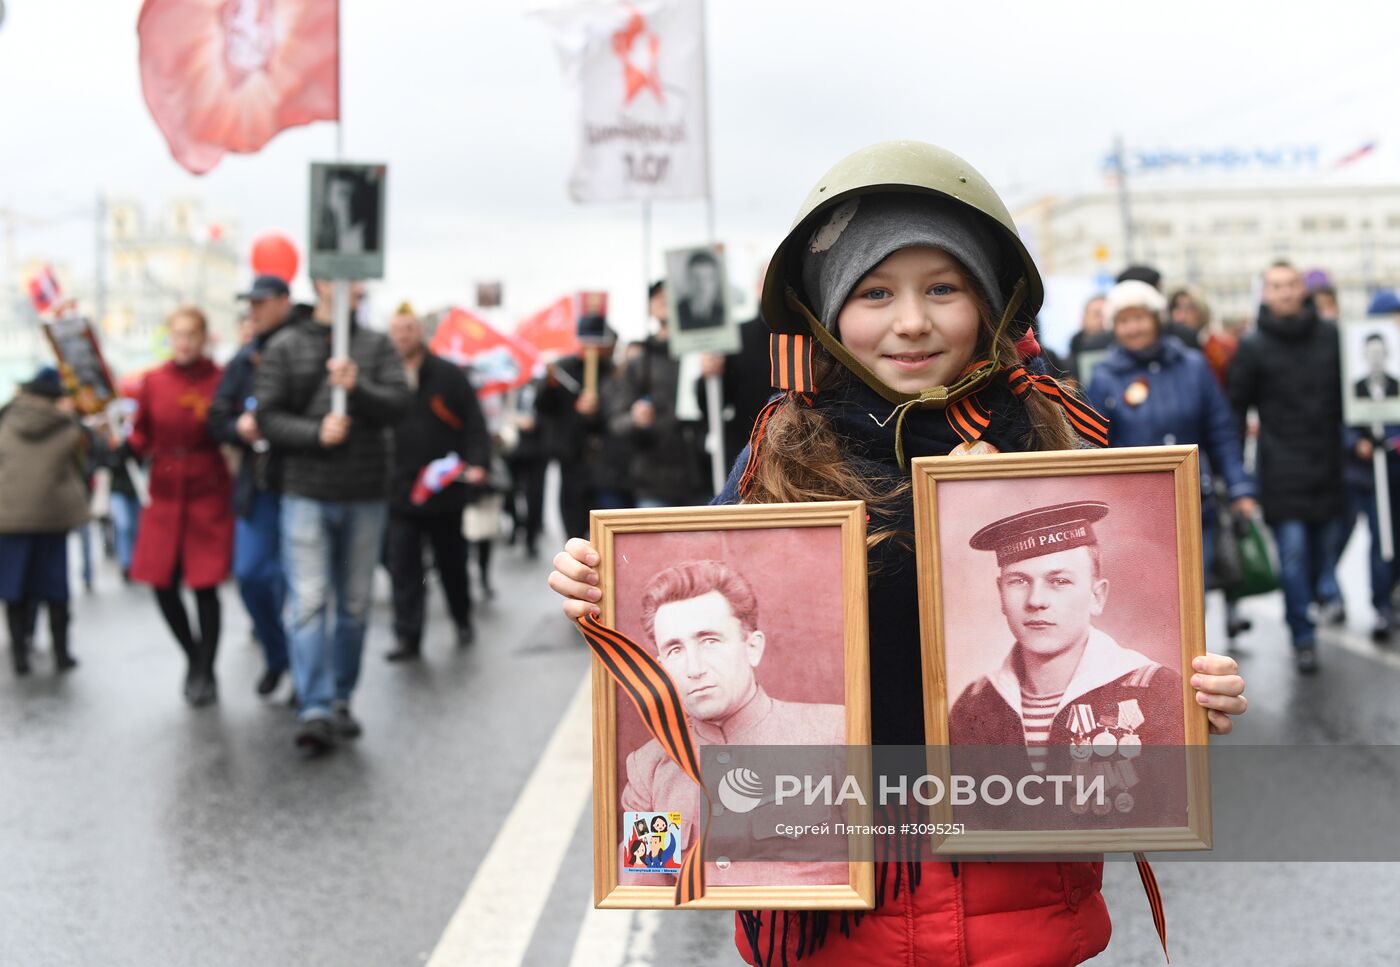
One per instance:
(227, 75)
(497, 362)
(554, 330)
(44, 290)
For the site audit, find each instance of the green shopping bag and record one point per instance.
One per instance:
(1258, 560)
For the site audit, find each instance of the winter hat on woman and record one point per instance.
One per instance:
(862, 232)
(1132, 294)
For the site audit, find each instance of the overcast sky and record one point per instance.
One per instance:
(468, 105)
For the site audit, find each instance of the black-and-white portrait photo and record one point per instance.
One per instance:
(347, 220)
(1371, 362)
(697, 291)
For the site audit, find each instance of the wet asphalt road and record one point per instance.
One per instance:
(136, 831)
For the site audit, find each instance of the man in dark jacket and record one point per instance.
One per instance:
(443, 418)
(1290, 371)
(257, 490)
(335, 481)
(665, 460)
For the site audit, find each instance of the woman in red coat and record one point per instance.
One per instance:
(187, 531)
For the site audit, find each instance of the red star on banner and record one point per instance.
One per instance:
(635, 79)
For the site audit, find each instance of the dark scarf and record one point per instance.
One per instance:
(1289, 328)
(865, 421)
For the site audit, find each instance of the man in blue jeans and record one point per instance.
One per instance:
(1289, 370)
(257, 498)
(335, 483)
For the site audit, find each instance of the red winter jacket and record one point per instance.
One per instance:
(958, 915)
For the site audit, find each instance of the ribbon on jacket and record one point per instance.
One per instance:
(659, 703)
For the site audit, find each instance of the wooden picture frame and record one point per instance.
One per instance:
(757, 540)
(1161, 488)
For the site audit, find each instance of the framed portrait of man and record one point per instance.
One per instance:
(1371, 371)
(757, 615)
(697, 296)
(346, 236)
(1061, 604)
(84, 371)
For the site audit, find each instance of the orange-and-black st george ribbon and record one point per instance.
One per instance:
(790, 358)
(1154, 900)
(658, 701)
(1087, 421)
(790, 370)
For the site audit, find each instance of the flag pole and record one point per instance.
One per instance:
(340, 288)
(714, 390)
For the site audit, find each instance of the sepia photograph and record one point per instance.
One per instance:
(762, 653)
(1078, 612)
(1370, 371)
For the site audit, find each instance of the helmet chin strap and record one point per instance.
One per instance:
(935, 397)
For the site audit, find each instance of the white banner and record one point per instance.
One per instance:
(640, 73)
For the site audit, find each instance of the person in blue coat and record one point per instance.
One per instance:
(1157, 392)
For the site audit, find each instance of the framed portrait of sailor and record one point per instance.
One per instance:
(1061, 604)
(346, 236)
(697, 302)
(727, 633)
(1371, 371)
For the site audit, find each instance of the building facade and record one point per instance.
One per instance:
(147, 266)
(1220, 239)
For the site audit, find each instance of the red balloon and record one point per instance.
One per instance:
(274, 254)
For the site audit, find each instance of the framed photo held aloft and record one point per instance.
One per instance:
(1061, 600)
(1371, 371)
(697, 297)
(84, 371)
(346, 237)
(757, 614)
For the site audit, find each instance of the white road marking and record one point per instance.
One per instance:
(496, 918)
(617, 938)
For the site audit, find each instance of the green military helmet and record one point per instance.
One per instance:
(896, 166)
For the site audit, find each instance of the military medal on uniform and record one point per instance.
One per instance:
(1105, 742)
(1081, 725)
(1130, 719)
(1101, 806)
(1126, 776)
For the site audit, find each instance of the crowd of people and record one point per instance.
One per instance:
(249, 471)
(253, 473)
(1165, 375)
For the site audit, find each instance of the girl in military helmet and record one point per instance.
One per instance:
(901, 303)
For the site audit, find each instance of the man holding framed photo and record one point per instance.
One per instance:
(1065, 682)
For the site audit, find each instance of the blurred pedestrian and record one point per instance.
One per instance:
(1188, 317)
(1157, 392)
(41, 477)
(665, 454)
(527, 463)
(186, 534)
(485, 512)
(1323, 296)
(123, 504)
(257, 489)
(1093, 336)
(1289, 369)
(443, 419)
(335, 482)
(745, 380)
(573, 430)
